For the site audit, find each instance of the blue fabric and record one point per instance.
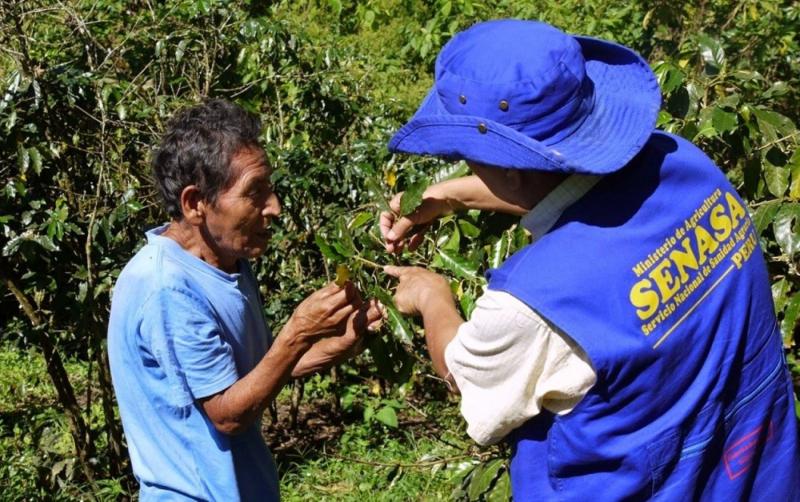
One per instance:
(181, 330)
(658, 275)
(525, 95)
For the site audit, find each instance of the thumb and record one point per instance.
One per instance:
(402, 226)
(393, 270)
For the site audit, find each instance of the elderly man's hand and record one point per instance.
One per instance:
(417, 287)
(325, 312)
(366, 319)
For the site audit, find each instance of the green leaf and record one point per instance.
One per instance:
(468, 229)
(483, 477)
(501, 492)
(723, 121)
(794, 167)
(451, 171)
(772, 125)
(459, 265)
(402, 331)
(789, 321)
(326, 250)
(467, 303)
(36, 160)
(779, 290)
(23, 158)
(412, 197)
(376, 192)
(764, 215)
(360, 220)
(787, 229)
(712, 53)
(777, 179)
(500, 250)
(387, 416)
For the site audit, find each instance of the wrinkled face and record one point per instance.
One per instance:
(238, 221)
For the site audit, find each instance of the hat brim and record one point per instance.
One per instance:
(626, 104)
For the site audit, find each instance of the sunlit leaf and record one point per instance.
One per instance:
(402, 331)
(326, 250)
(787, 229)
(764, 214)
(777, 179)
(459, 265)
(483, 477)
(387, 416)
(794, 167)
(360, 220)
(499, 251)
(412, 197)
(723, 121)
(789, 321)
(712, 53)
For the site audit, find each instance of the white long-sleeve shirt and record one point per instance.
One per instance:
(509, 362)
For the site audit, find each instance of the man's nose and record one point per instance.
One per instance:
(273, 206)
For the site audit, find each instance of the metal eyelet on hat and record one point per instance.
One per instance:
(482, 128)
(462, 99)
(504, 105)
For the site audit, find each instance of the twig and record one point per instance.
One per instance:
(368, 262)
(419, 465)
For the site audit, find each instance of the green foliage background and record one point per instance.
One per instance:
(87, 85)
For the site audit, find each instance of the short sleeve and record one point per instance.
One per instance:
(509, 363)
(185, 339)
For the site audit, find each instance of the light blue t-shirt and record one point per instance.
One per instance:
(181, 330)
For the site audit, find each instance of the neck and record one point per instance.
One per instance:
(196, 242)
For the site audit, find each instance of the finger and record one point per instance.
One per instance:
(394, 204)
(418, 238)
(340, 315)
(402, 226)
(394, 270)
(386, 222)
(374, 312)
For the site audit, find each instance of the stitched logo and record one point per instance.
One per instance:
(739, 456)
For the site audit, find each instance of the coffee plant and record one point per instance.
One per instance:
(87, 85)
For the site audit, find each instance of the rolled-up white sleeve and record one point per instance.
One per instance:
(509, 363)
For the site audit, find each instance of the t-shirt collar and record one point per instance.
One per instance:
(544, 215)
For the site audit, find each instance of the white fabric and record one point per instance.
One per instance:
(507, 361)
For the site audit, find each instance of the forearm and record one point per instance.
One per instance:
(240, 405)
(441, 321)
(470, 192)
(321, 356)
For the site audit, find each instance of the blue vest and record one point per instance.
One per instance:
(657, 273)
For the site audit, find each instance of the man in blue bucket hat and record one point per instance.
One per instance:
(631, 351)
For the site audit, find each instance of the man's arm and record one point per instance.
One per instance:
(236, 408)
(421, 292)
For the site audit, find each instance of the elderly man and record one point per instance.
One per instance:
(193, 362)
(631, 350)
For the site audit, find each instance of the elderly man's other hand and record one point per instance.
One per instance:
(366, 319)
(343, 344)
(325, 312)
(417, 287)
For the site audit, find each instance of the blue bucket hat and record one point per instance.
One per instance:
(522, 94)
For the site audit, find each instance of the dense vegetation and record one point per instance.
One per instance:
(86, 86)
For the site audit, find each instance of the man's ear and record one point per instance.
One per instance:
(192, 205)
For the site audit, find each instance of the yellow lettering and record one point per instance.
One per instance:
(684, 259)
(705, 243)
(720, 222)
(736, 209)
(667, 284)
(644, 297)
